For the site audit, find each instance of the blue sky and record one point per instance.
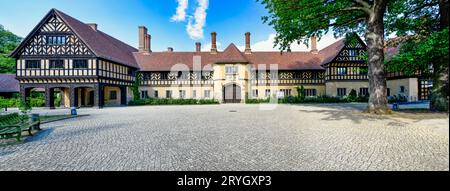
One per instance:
(121, 18)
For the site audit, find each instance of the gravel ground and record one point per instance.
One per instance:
(233, 137)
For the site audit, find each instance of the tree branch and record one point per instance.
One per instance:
(366, 10)
(347, 23)
(363, 3)
(420, 7)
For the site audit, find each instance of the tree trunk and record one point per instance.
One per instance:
(375, 48)
(444, 13)
(439, 92)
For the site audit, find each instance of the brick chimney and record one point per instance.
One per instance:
(148, 43)
(144, 40)
(248, 50)
(213, 43)
(198, 47)
(314, 45)
(93, 26)
(169, 49)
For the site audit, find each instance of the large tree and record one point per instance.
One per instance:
(298, 20)
(8, 41)
(422, 30)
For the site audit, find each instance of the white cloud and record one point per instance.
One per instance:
(267, 45)
(195, 24)
(181, 11)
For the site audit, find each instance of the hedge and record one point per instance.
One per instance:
(318, 99)
(15, 102)
(164, 101)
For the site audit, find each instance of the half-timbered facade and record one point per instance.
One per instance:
(87, 66)
(91, 68)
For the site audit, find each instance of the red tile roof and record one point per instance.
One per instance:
(330, 52)
(107, 47)
(8, 83)
(163, 61)
(100, 43)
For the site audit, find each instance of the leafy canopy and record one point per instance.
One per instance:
(8, 42)
(298, 20)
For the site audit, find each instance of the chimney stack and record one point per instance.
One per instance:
(198, 47)
(148, 43)
(314, 45)
(93, 26)
(144, 40)
(248, 50)
(213, 43)
(169, 49)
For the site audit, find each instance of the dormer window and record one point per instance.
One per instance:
(56, 40)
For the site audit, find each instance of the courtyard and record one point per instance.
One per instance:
(234, 137)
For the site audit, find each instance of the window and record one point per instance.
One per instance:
(182, 94)
(56, 64)
(80, 64)
(389, 92)
(267, 93)
(207, 93)
(168, 93)
(286, 92)
(341, 92)
(353, 53)
(56, 40)
(255, 93)
(402, 89)
(194, 93)
(341, 71)
(32, 64)
(231, 69)
(155, 93)
(129, 71)
(113, 95)
(144, 94)
(363, 91)
(310, 92)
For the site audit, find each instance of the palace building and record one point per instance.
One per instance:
(90, 68)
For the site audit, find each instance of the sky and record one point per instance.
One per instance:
(172, 23)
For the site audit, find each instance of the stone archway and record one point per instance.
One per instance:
(232, 93)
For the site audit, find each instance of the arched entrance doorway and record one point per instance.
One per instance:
(232, 94)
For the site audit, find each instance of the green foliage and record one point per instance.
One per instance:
(405, 17)
(24, 106)
(352, 96)
(8, 42)
(301, 93)
(418, 55)
(16, 102)
(135, 87)
(298, 20)
(317, 99)
(157, 101)
(257, 101)
(397, 99)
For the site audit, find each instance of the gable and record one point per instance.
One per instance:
(354, 50)
(52, 25)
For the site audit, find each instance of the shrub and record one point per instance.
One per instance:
(352, 96)
(257, 101)
(397, 99)
(166, 101)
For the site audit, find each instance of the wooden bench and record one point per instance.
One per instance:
(12, 125)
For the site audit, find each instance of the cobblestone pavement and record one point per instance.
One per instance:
(233, 137)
